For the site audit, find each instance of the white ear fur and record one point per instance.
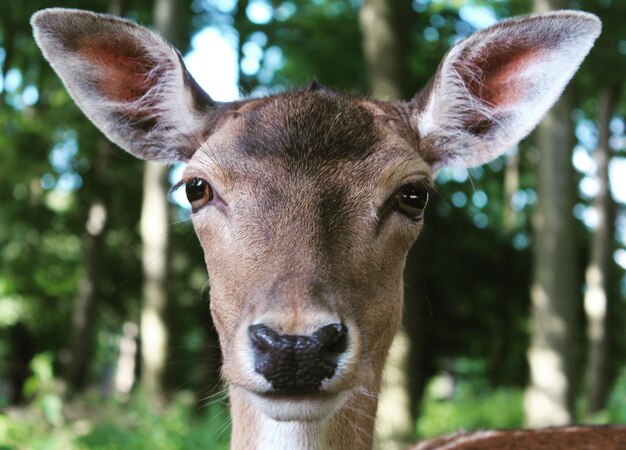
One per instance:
(130, 82)
(493, 88)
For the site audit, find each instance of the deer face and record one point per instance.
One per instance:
(307, 202)
(305, 219)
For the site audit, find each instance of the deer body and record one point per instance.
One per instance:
(561, 438)
(307, 202)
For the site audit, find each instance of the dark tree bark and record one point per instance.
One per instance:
(211, 360)
(241, 20)
(86, 300)
(598, 269)
(21, 352)
(420, 366)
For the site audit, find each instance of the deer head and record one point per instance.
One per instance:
(307, 202)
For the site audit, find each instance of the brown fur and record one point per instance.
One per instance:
(576, 438)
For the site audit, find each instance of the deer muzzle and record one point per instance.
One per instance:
(297, 364)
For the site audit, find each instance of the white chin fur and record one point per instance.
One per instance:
(309, 409)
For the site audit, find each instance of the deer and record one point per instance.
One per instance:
(306, 203)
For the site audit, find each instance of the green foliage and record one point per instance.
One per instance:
(27, 431)
(322, 41)
(610, 50)
(43, 389)
(144, 427)
(469, 403)
(616, 406)
(99, 424)
(469, 408)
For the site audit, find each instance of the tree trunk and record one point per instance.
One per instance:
(385, 26)
(85, 303)
(21, 352)
(118, 7)
(154, 332)
(555, 286)
(241, 20)
(124, 378)
(500, 344)
(211, 358)
(155, 251)
(597, 274)
(421, 359)
(385, 45)
(511, 185)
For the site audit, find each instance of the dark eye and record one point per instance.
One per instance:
(411, 200)
(199, 192)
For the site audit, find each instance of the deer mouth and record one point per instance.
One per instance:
(299, 407)
(297, 397)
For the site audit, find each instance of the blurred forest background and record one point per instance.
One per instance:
(516, 305)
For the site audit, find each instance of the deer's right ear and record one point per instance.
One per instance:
(130, 82)
(493, 88)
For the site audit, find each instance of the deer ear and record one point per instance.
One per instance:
(130, 82)
(493, 88)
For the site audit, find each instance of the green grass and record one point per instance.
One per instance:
(469, 409)
(111, 425)
(472, 405)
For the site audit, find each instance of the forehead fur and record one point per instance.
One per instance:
(310, 125)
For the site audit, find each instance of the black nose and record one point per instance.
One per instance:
(296, 365)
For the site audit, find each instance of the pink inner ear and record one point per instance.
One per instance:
(495, 77)
(124, 69)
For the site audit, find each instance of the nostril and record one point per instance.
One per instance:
(333, 341)
(263, 338)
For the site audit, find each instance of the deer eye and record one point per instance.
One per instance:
(411, 199)
(199, 192)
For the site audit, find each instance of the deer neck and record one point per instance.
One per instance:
(351, 427)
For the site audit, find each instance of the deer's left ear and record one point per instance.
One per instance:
(493, 88)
